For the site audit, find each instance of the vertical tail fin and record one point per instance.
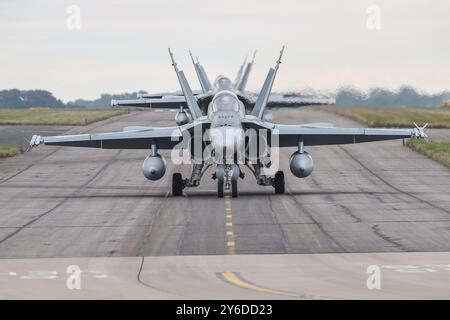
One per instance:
(201, 74)
(246, 74)
(263, 97)
(239, 73)
(191, 101)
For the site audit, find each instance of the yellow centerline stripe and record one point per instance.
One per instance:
(229, 225)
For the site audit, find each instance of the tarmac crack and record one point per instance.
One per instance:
(151, 226)
(349, 212)
(142, 282)
(376, 229)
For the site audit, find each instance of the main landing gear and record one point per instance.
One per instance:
(177, 184)
(227, 177)
(277, 182)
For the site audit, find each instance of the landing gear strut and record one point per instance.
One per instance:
(264, 180)
(178, 183)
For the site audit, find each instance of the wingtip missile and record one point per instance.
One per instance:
(35, 141)
(419, 132)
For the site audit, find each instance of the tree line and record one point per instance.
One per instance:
(405, 96)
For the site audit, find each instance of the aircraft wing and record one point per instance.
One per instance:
(158, 101)
(164, 138)
(162, 95)
(280, 101)
(290, 135)
(277, 101)
(168, 101)
(130, 138)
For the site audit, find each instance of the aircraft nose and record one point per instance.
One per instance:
(227, 141)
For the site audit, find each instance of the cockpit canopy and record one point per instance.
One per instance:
(225, 101)
(223, 83)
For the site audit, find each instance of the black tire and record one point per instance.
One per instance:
(279, 182)
(219, 188)
(177, 184)
(234, 188)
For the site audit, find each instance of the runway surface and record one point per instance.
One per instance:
(377, 198)
(288, 276)
(21, 135)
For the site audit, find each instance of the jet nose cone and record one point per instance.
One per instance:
(227, 141)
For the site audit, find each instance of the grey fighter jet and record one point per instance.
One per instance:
(227, 137)
(207, 92)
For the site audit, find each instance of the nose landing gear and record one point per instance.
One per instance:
(227, 179)
(234, 189)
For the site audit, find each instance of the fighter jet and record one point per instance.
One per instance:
(227, 137)
(208, 91)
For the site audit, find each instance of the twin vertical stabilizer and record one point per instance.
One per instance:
(191, 101)
(263, 97)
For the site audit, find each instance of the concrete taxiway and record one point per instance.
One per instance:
(289, 276)
(21, 135)
(364, 204)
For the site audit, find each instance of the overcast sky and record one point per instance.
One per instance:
(122, 45)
